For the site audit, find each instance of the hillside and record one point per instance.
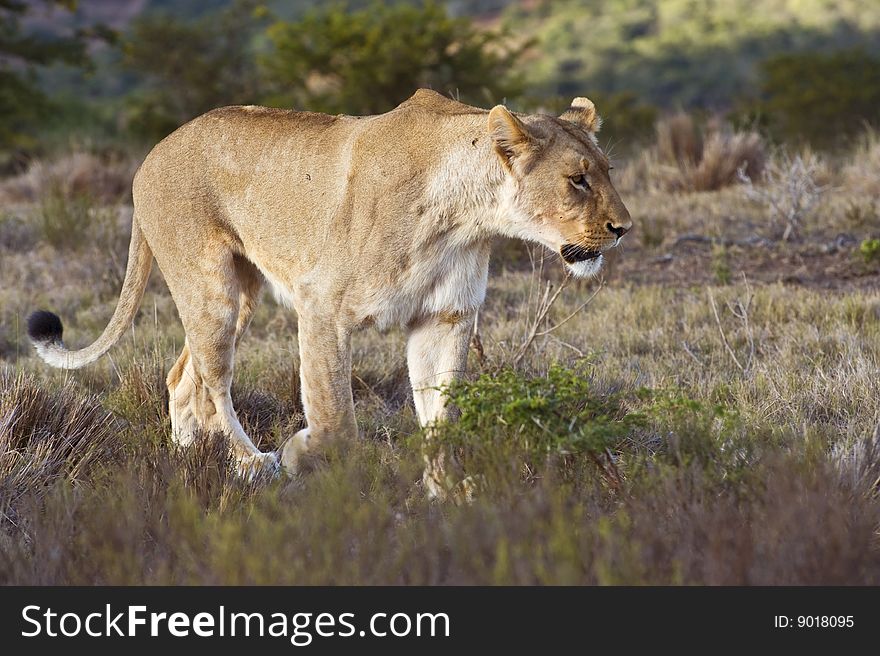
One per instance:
(679, 52)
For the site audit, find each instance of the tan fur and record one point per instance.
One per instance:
(353, 221)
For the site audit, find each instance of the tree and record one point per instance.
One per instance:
(22, 103)
(189, 67)
(368, 61)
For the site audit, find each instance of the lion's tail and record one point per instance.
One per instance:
(45, 329)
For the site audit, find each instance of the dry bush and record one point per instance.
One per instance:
(791, 190)
(678, 140)
(106, 179)
(686, 157)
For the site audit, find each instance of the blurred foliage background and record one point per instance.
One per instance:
(119, 76)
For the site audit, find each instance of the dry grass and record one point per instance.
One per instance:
(756, 461)
(862, 174)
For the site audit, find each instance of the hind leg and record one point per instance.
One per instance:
(184, 382)
(183, 386)
(214, 317)
(250, 282)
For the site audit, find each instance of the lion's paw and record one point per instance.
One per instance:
(258, 466)
(441, 487)
(293, 450)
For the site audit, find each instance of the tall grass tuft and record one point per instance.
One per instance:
(688, 157)
(46, 435)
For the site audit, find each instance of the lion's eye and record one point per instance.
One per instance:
(579, 181)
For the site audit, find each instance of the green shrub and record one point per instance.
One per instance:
(187, 67)
(534, 418)
(870, 250)
(559, 426)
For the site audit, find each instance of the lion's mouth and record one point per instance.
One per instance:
(573, 253)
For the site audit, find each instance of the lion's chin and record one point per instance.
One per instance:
(585, 268)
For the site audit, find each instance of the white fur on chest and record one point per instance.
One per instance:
(452, 280)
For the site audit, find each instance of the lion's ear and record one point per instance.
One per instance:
(582, 112)
(511, 136)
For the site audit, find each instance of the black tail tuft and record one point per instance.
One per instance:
(43, 326)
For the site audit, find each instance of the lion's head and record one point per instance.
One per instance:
(561, 194)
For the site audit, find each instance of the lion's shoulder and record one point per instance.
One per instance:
(428, 100)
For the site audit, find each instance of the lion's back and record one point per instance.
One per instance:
(242, 138)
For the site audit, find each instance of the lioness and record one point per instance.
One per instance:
(353, 221)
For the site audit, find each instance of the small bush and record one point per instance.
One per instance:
(16, 234)
(721, 264)
(862, 215)
(653, 230)
(535, 419)
(711, 440)
(71, 222)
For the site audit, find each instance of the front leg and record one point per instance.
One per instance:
(436, 355)
(325, 376)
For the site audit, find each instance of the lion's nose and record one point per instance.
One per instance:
(620, 230)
